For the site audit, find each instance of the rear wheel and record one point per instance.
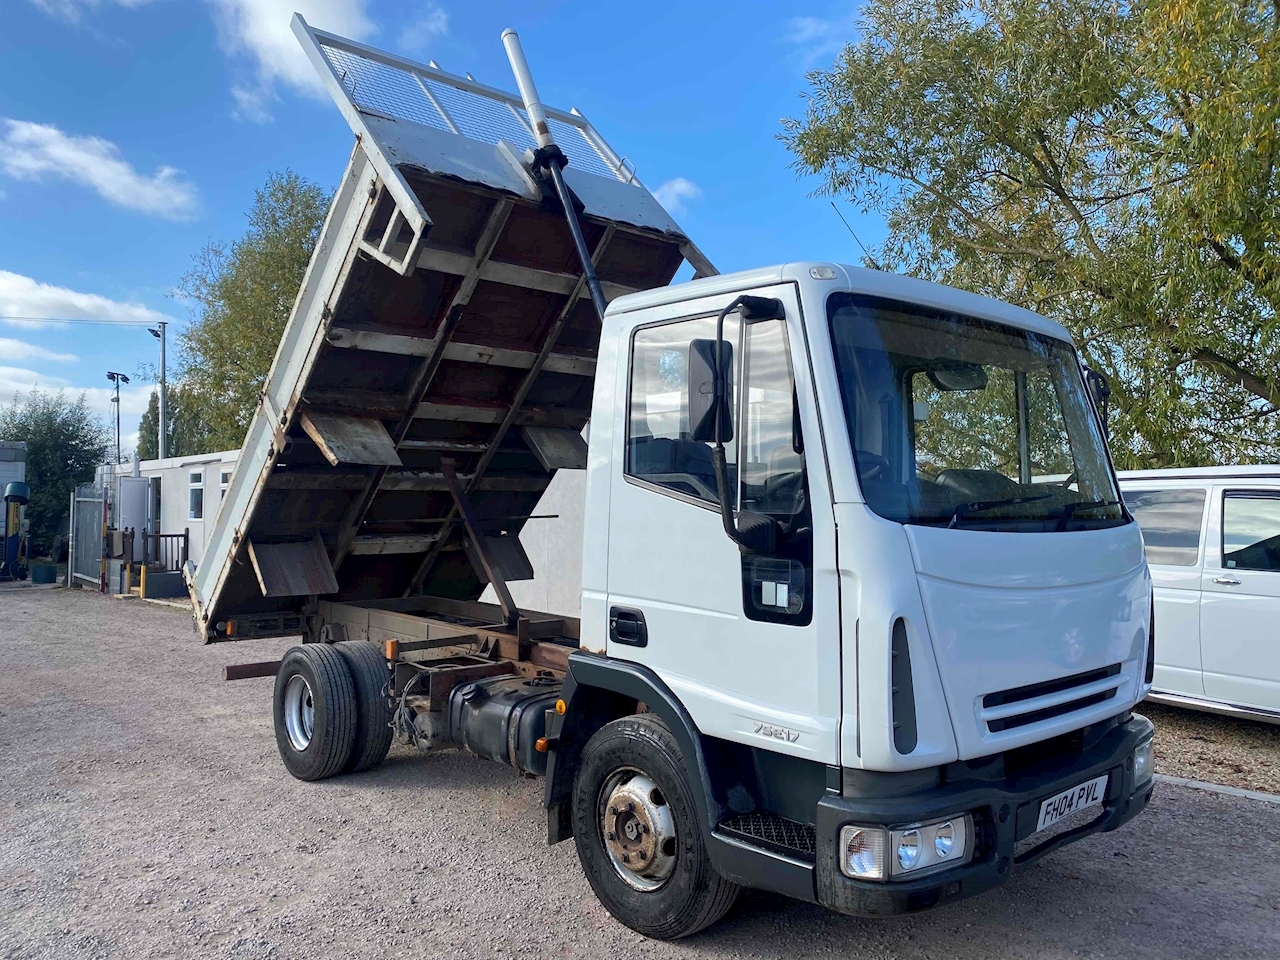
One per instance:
(315, 711)
(637, 832)
(373, 711)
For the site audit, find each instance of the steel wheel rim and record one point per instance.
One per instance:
(637, 830)
(299, 712)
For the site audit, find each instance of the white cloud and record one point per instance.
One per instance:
(71, 10)
(673, 194)
(251, 104)
(260, 29)
(20, 380)
(818, 39)
(39, 151)
(24, 297)
(11, 349)
(419, 36)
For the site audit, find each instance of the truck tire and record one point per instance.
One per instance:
(315, 711)
(637, 832)
(373, 711)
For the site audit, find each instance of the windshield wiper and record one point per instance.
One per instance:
(975, 506)
(1069, 509)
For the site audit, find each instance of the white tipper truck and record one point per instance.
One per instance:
(863, 619)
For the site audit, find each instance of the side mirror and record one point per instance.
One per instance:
(702, 390)
(756, 309)
(1100, 390)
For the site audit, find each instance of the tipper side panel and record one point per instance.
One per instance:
(444, 315)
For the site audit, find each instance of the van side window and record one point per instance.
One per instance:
(659, 449)
(1251, 530)
(1170, 523)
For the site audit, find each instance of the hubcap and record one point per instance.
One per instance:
(299, 712)
(638, 829)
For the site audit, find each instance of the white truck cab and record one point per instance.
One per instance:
(932, 619)
(863, 618)
(1211, 535)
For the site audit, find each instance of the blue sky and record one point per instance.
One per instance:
(133, 132)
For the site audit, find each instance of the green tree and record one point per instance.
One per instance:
(1110, 166)
(243, 295)
(65, 442)
(188, 430)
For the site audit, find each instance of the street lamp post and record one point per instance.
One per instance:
(162, 445)
(117, 378)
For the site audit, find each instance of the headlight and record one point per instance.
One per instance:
(944, 839)
(1144, 766)
(909, 849)
(921, 848)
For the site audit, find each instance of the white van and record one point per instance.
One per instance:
(1213, 545)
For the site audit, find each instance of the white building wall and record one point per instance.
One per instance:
(174, 474)
(13, 462)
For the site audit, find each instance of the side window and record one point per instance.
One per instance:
(1251, 530)
(775, 589)
(771, 461)
(1170, 522)
(195, 495)
(659, 449)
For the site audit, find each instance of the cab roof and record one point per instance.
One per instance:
(847, 279)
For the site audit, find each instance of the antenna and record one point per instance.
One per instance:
(866, 253)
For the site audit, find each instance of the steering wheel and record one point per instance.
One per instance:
(872, 466)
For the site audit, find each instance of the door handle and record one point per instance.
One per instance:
(1227, 581)
(627, 626)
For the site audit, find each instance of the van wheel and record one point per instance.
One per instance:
(315, 711)
(373, 711)
(636, 828)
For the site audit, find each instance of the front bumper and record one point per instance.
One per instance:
(1005, 812)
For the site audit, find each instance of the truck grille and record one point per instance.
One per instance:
(799, 840)
(1020, 706)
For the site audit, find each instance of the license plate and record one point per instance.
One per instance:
(1080, 797)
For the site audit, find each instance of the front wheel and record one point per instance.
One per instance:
(637, 833)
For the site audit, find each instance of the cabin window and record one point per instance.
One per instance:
(660, 449)
(195, 495)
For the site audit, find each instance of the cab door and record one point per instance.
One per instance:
(1240, 606)
(750, 645)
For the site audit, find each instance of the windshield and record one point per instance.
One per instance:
(961, 422)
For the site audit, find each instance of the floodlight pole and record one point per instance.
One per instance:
(116, 378)
(162, 442)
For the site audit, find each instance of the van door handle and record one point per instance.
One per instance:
(1227, 581)
(627, 626)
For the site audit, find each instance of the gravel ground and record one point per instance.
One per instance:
(145, 813)
(1202, 746)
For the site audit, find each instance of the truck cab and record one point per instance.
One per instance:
(935, 641)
